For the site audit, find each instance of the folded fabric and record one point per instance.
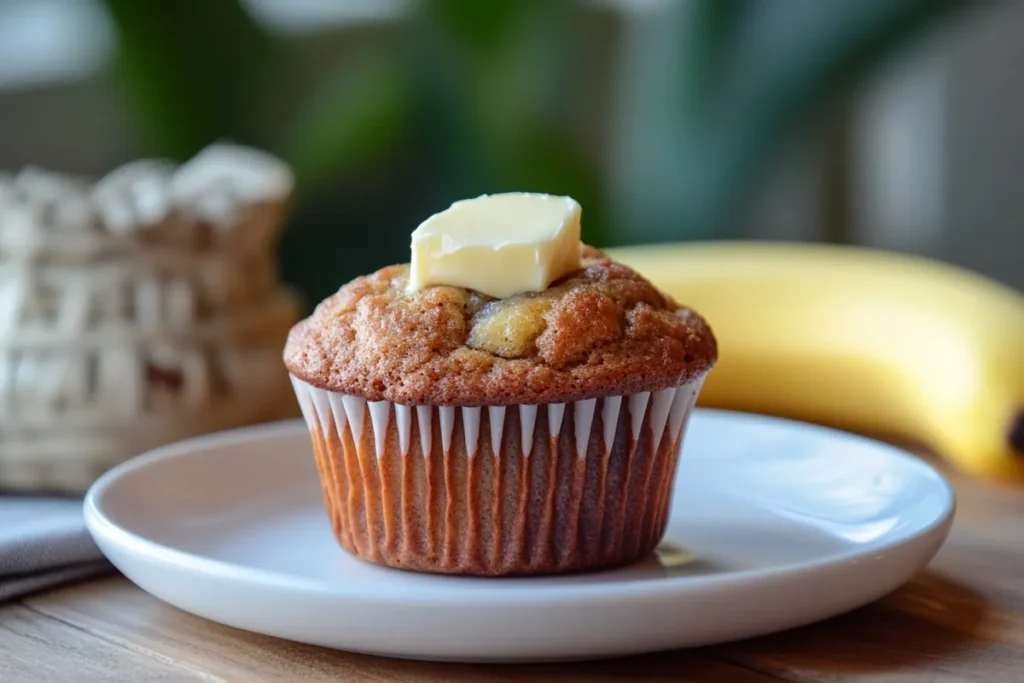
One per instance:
(43, 543)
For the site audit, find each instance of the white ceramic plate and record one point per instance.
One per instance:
(775, 524)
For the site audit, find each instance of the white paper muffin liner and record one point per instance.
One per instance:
(498, 490)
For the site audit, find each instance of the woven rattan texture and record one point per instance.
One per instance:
(138, 309)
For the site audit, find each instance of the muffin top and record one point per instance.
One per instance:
(602, 330)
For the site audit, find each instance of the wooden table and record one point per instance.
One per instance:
(960, 620)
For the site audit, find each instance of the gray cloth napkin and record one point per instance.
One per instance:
(43, 543)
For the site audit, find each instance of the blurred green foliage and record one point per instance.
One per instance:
(470, 97)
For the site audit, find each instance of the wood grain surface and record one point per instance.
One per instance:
(961, 620)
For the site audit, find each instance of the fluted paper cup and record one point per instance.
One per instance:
(500, 490)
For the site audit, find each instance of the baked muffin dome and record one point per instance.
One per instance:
(600, 331)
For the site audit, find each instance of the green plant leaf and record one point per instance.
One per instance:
(713, 107)
(479, 28)
(347, 121)
(670, 69)
(189, 69)
(494, 89)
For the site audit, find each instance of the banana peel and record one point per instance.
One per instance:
(864, 340)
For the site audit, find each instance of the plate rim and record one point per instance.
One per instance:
(478, 591)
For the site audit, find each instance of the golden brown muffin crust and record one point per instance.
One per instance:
(601, 331)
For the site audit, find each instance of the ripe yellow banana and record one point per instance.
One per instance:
(865, 340)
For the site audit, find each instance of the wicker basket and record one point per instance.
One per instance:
(138, 310)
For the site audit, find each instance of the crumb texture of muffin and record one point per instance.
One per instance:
(600, 331)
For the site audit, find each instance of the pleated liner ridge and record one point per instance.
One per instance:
(494, 491)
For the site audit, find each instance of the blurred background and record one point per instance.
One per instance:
(891, 123)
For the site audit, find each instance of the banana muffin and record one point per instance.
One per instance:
(536, 434)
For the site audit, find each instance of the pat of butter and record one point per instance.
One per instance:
(500, 244)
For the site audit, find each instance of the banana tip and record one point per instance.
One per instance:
(1015, 435)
